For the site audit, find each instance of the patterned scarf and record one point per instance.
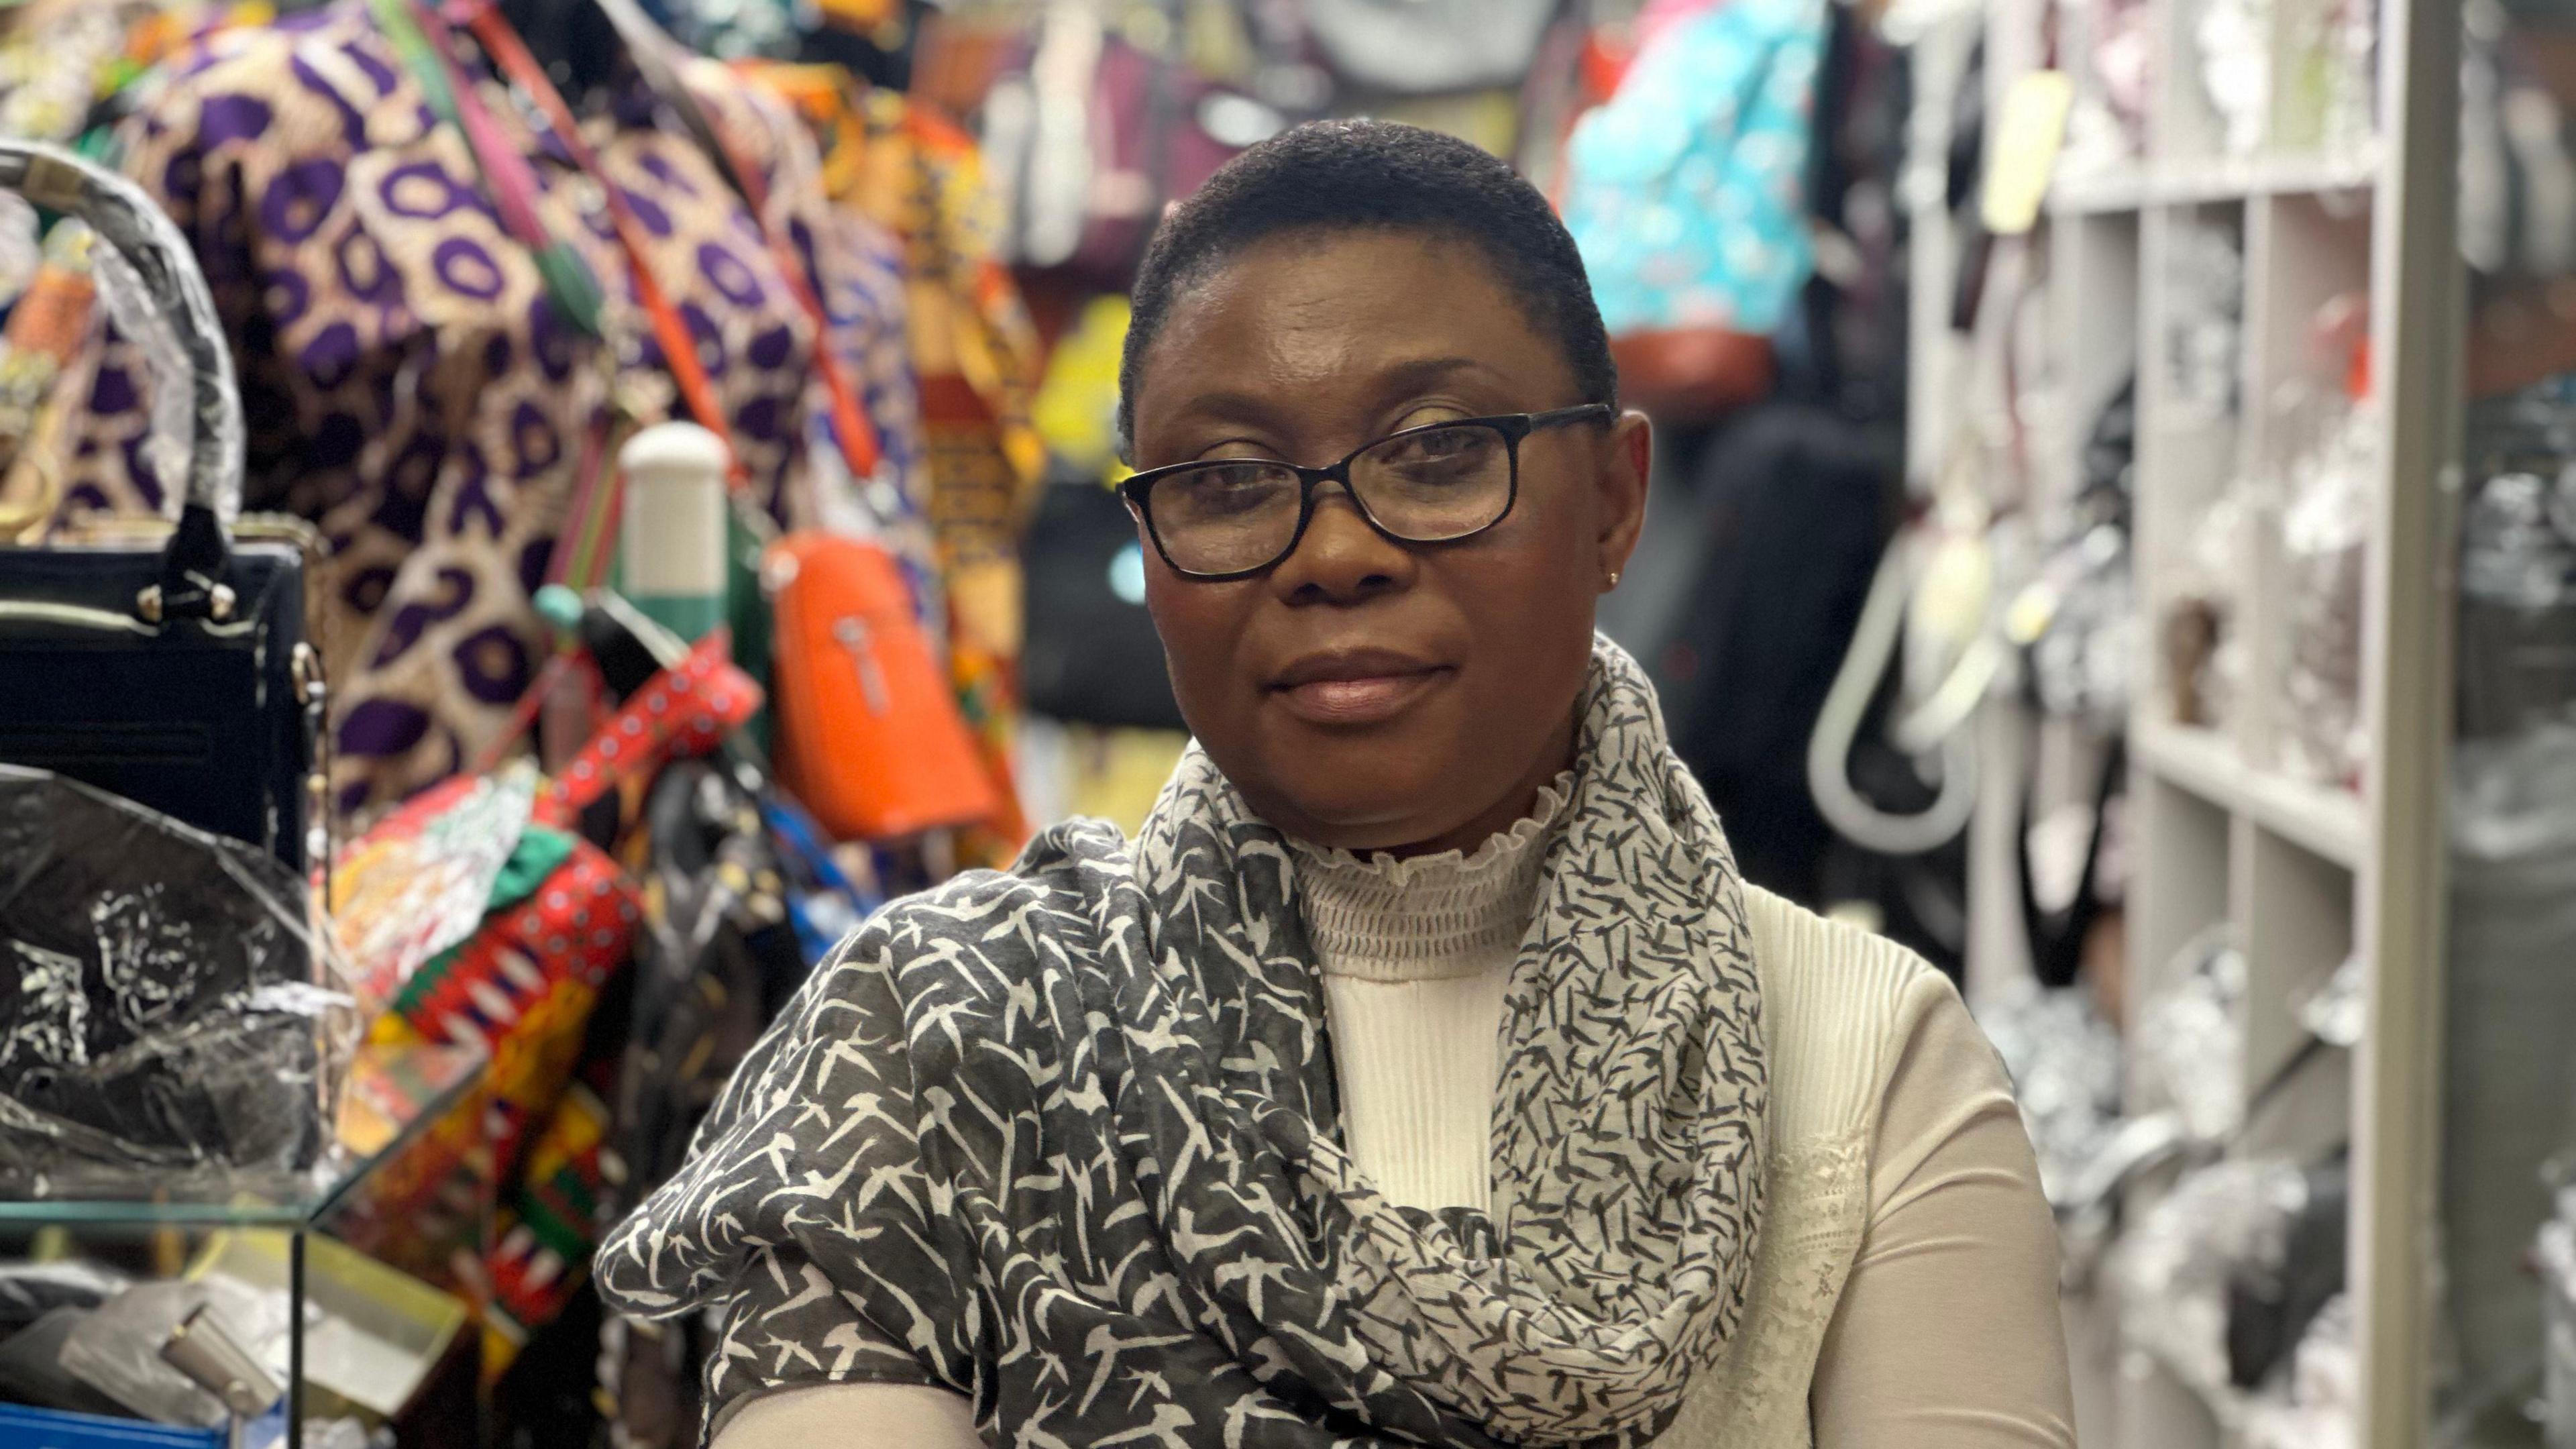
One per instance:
(1065, 1140)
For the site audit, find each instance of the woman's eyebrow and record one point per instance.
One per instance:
(1415, 374)
(1235, 407)
(1274, 413)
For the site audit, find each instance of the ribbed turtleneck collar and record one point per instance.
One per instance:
(1427, 916)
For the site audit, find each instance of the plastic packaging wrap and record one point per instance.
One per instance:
(2204, 278)
(172, 420)
(2518, 573)
(2234, 40)
(418, 884)
(32, 1372)
(2078, 615)
(159, 261)
(171, 1023)
(2325, 542)
(2554, 1257)
(2064, 1061)
(117, 1349)
(2328, 53)
(2192, 1037)
(2177, 1263)
(2109, 123)
(2083, 661)
(29, 1291)
(2320, 1406)
(2204, 650)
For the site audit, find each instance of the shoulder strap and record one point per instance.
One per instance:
(421, 38)
(679, 347)
(654, 59)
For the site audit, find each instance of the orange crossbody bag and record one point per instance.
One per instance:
(869, 734)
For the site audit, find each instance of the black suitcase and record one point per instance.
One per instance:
(178, 675)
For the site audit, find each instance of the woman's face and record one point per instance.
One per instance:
(1363, 693)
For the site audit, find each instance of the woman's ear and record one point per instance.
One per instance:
(1627, 461)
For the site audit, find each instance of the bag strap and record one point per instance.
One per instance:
(651, 52)
(421, 37)
(689, 709)
(125, 217)
(508, 173)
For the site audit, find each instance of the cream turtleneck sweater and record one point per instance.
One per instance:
(1416, 954)
(1905, 1291)
(1946, 1333)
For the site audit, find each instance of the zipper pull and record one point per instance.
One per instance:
(855, 636)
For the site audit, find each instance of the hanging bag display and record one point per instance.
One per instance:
(1429, 47)
(1093, 656)
(869, 735)
(179, 677)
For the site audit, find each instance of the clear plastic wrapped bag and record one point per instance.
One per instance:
(117, 1349)
(2554, 1257)
(2204, 650)
(2064, 1061)
(2204, 277)
(2320, 1406)
(2192, 1037)
(2233, 39)
(2325, 541)
(2518, 571)
(29, 1291)
(172, 1023)
(2176, 1264)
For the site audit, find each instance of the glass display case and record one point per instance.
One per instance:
(348, 1251)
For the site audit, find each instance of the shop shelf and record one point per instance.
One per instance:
(394, 1095)
(2320, 819)
(2178, 183)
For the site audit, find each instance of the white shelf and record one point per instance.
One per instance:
(2170, 183)
(2324, 821)
(2306, 876)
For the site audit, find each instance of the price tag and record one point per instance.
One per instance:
(2024, 149)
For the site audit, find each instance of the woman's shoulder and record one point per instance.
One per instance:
(969, 939)
(1062, 867)
(1840, 1005)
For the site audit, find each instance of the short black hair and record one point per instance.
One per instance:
(1367, 176)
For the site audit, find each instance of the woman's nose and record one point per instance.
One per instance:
(1341, 559)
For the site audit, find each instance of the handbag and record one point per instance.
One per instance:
(1092, 655)
(1088, 145)
(869, 735)
(180, 677)
(1429, 47)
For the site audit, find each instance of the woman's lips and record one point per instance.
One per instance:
(1360, 700)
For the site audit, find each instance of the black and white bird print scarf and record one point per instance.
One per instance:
(1066, 1140)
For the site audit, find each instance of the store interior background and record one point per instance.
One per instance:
(2114, 531)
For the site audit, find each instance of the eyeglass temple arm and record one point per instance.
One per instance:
(1579, 413)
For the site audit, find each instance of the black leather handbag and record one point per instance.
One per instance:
(177, 675)
(1091, 655)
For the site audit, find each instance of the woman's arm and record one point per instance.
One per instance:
(1947, 1335)
(852, 1416)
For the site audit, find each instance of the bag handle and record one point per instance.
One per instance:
(125, 216)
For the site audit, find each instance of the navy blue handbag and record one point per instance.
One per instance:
(177, 674)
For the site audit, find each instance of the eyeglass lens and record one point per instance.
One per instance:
(1424, 487)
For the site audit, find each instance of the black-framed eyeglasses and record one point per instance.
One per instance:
(1230, 518)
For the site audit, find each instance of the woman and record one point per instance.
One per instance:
(1423, 1072)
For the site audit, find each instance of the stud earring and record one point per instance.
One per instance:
(1614, 578)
